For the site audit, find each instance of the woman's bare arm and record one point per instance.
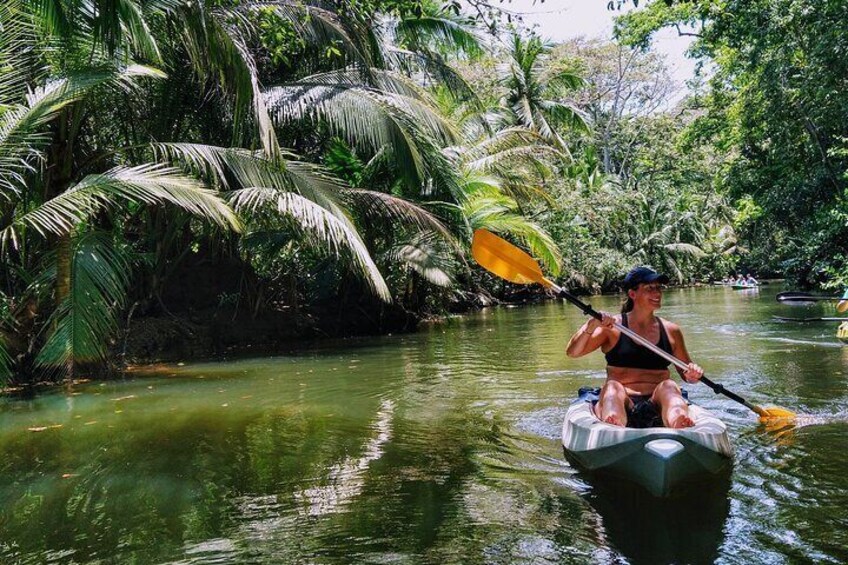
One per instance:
(678, 348)
(591, 335)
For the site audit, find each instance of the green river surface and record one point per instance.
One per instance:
(436, 447)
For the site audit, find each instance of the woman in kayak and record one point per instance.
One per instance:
(639, 389)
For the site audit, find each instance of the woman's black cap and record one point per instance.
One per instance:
(643, 275)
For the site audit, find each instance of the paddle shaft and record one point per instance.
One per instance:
(824, 319)
(589, 311)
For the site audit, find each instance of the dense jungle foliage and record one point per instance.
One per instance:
(235, 160)
(775, 106)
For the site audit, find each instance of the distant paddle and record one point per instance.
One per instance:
(805, 320)
(505, 260)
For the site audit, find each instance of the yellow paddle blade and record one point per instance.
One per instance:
(774, 413)
(504, 259)
(841, 306)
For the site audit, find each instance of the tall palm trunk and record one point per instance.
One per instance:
(58, 180)
(63, 268)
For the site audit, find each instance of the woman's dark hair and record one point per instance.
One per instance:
(627, 304)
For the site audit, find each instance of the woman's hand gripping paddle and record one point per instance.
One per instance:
(503, 259)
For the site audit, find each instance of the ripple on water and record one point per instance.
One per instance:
(545, 423)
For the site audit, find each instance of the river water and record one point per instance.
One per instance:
(437, 447)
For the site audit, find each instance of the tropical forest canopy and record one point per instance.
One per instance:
(329, 158)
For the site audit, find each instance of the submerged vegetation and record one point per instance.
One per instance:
(231, 160)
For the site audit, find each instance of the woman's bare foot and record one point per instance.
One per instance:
(679, 419)
(613, 419)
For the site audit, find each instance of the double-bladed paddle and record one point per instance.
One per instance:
(503, 259)
(802, 297)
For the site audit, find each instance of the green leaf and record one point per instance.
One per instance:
(84, 321)
(318, 226)
(147, 184)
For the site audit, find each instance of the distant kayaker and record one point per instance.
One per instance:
(750, 280)
(638, 390)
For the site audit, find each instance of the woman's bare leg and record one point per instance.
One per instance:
(611, 407)
(675, 411)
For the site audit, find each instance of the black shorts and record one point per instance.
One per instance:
(643, 413)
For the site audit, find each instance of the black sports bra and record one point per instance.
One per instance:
(629, 354)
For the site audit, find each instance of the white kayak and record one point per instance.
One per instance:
(662, 460)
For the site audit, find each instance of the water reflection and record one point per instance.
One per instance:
(646, 529)
(346, 480)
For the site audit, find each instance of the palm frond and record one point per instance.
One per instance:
(424, 256)
(562, 79)
(565, 114)
(376, 206)
(379, 80)
(218, 50)
(147, 184)
(132, 23)
(394, 98)
(686, 248)
(53, 17)
(21, 134)
(420, 45)
(440, 31)
(506, 160)
(500, 140)
(519, 158)
(110, 26)
(487, 208)
(366, 119)
(267, 135)
(217, 41)
(316, 224)
(314, 24)
(17, 32)
(524, 112)
(434, 66)
(158, 184)
(483, 188)
(234, 168)
(534, 237)
(87, 317)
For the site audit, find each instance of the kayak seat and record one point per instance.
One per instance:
(644, 413)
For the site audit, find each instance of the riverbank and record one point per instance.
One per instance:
(218, 332)
(226, 331)
(213, 333)
(222, 332)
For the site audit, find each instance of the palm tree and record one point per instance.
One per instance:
(377, 109)
(535, 89)
(47, 194)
